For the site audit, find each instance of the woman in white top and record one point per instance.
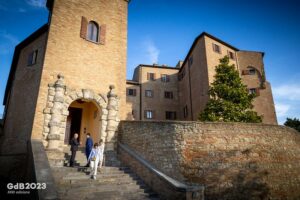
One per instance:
(94, 159)
(101, 148)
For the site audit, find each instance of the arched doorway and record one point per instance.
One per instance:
(84, 117)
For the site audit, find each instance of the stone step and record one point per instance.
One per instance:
(104, 169)
(95, 188)
(111, 195)
(113, 181)
(99, 183)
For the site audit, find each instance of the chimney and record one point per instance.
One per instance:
(179, 64)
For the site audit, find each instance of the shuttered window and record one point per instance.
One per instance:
(92, 31)
(131, 92)
(170, 115)
(255, 91)
(165, 78)
(216, 48)
(149, 114)
(150, 76)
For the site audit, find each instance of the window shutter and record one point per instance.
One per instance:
(168, 78)
(257, 91)
(83, 30)
(148, 76)
(102, 34)
(154, 76)
(134, 92)
(145, 114)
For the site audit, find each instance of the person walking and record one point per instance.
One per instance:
(101, 148)
(74, 147)
(94, 158)
(88, 147)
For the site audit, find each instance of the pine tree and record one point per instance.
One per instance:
(229, 97)
(293, 123)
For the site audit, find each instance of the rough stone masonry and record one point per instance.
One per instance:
(232, 160)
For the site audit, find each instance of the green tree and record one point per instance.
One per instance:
(229, 97)
(293, 123)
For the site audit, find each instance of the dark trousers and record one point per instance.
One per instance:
(72, 159)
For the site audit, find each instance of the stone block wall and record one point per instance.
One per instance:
(232, 160)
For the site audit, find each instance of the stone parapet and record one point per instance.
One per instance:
(232, 160)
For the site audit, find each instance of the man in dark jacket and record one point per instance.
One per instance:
(74, 147)
(88, 147)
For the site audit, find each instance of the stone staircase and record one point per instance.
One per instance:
(114, 182)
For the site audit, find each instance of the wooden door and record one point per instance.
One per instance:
(68, 130)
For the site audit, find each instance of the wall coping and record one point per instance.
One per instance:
(208, 123)
(179, 186)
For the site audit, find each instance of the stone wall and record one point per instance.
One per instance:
(232, 160)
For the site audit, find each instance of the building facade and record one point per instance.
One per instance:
(70, 77)
(181, 92)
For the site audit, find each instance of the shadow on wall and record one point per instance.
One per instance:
(246, 184)
(234, 182)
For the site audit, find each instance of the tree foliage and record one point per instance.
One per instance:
(229, 97)
(293, 123)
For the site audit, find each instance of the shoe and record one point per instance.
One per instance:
(94, 177)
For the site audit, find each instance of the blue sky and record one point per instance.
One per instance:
(162, 31)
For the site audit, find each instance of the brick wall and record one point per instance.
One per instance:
(232, 160)
(84, 64)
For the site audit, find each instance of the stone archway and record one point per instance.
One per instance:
(59, 99)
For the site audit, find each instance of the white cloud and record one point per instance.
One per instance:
(8, 42)
(152, 51)
(287, 100)
(282, 109)
(37, 3)
(290, 92)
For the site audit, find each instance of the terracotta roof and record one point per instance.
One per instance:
(157, 66)
(132, 82)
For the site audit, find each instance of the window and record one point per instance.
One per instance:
(216, 48)
(252, 71)
(151, 76)
(149, 114)
(190, 62)
(165, 78)
(149, 93)
(168, 95)
(32, 57)
(185, 111)
(131, 92)
(252, 91)
(231, 55)
(93, 31)
(170, 115)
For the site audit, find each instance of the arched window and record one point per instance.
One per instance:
(93, 31)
